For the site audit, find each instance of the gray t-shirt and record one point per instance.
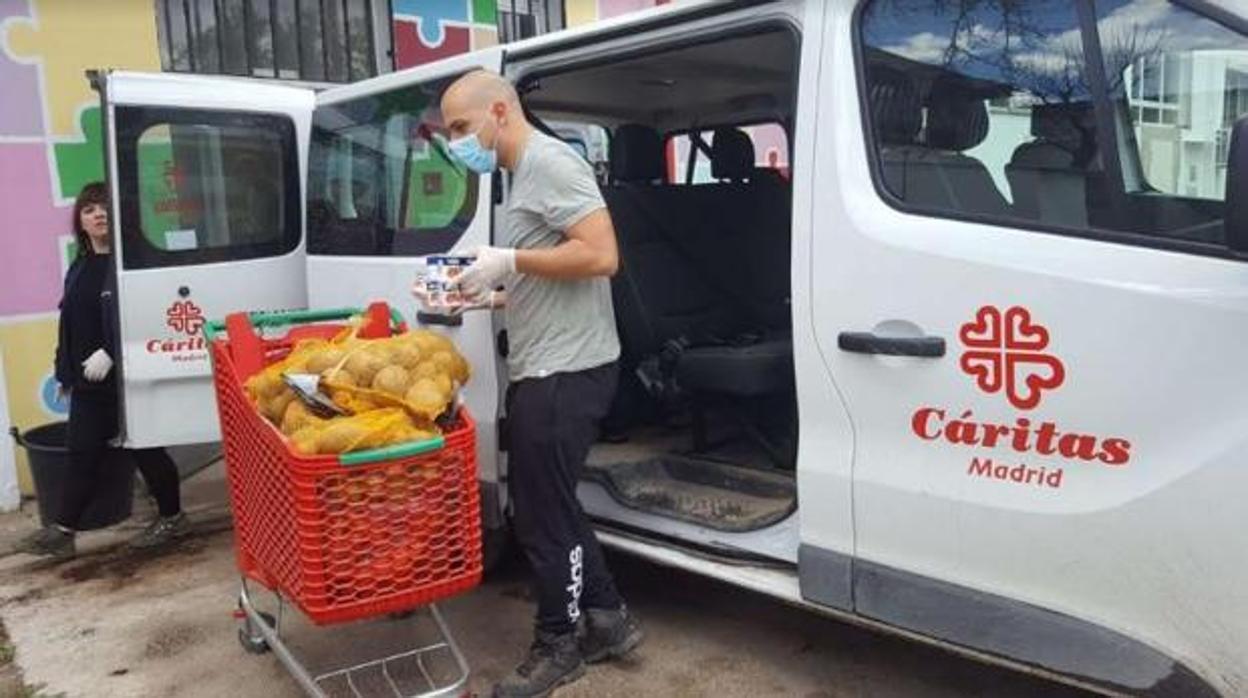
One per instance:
(554, 326)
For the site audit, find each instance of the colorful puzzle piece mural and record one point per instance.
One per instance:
(67, 40)
(428, 30)
(21, 112)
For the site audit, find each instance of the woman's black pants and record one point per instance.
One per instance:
(92, 423)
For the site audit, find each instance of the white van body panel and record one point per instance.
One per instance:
(825, 447)
(1151, 344)
(167, 388)
(336, 281)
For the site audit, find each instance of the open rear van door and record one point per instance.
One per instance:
(382, 194)
(206, 181)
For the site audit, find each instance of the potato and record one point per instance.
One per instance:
(298, 416)
(444, 385)
(426, 369)
(364, 365)
(274, 407)
(445, 361)
(425, 398)
(264, 385)
(461, 371)
(305, 439)
(392, 379)
(340, 377)
(430, 341)
(340, 436)
(325, 359)
(405, 354)
(382, 350)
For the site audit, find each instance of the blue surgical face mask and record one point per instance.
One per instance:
(473, 155)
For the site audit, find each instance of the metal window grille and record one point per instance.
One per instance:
(306, 40)
(521, 19)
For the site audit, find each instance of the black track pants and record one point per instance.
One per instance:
(552, 422)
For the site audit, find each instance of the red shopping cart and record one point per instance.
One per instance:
(343, 537)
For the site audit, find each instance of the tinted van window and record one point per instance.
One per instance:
(199, 187)
(379, 182)
(991, 111)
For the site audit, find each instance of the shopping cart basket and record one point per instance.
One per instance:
(341, 537)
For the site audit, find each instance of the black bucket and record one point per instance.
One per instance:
(49, 464)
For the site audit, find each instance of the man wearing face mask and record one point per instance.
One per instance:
(558, 252)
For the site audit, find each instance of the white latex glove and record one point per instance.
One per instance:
(493, 266)
(97, 366)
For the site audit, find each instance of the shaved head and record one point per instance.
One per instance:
(485, 103)
(479, 89)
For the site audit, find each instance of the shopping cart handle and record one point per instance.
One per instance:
(280, 318)
(411, 448)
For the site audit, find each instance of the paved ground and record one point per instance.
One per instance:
(115, 624)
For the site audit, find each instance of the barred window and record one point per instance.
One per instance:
(307, 40)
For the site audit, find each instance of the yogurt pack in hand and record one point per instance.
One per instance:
(440, 283)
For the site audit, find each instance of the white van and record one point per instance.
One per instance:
(934, 313)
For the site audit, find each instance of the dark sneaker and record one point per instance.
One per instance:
(553, 661)
(161, 531)
(49, 541)
(609, 634)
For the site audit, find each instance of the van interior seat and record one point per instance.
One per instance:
(676, 250)
(957, 122)
(1048, 180)
(935, 172)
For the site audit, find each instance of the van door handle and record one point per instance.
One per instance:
(871, 343)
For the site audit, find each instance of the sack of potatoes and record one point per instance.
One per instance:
(392, 390)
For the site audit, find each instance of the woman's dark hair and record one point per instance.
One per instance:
(92, 193)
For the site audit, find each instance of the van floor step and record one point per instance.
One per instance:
(708, 493)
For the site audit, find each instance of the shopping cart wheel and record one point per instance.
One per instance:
(251, 640)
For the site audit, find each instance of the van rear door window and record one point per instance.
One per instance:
(199, 187)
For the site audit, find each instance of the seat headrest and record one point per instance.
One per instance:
(732, 154)
(1062, 124)
(895, 107)
(636, 154)
(955, 121)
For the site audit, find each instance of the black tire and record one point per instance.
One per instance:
(253, 642)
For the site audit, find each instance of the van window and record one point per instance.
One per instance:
(199, 187)
(591, 141)
(1184, 86)
(771, 151)
(987, 111)
(379, 183)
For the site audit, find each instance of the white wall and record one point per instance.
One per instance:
(10, 497)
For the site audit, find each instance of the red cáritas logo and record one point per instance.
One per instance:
(185, 317)
(1007, 352)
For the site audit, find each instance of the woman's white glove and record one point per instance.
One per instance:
(97, 366)
(493, 266)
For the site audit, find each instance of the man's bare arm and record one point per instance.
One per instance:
(589, 251)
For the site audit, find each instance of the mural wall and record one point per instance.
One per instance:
(426, 30)
(49, 147)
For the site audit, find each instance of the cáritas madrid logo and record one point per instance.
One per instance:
(185, 318)
(1006, 352)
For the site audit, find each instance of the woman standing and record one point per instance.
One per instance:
(84, 368)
